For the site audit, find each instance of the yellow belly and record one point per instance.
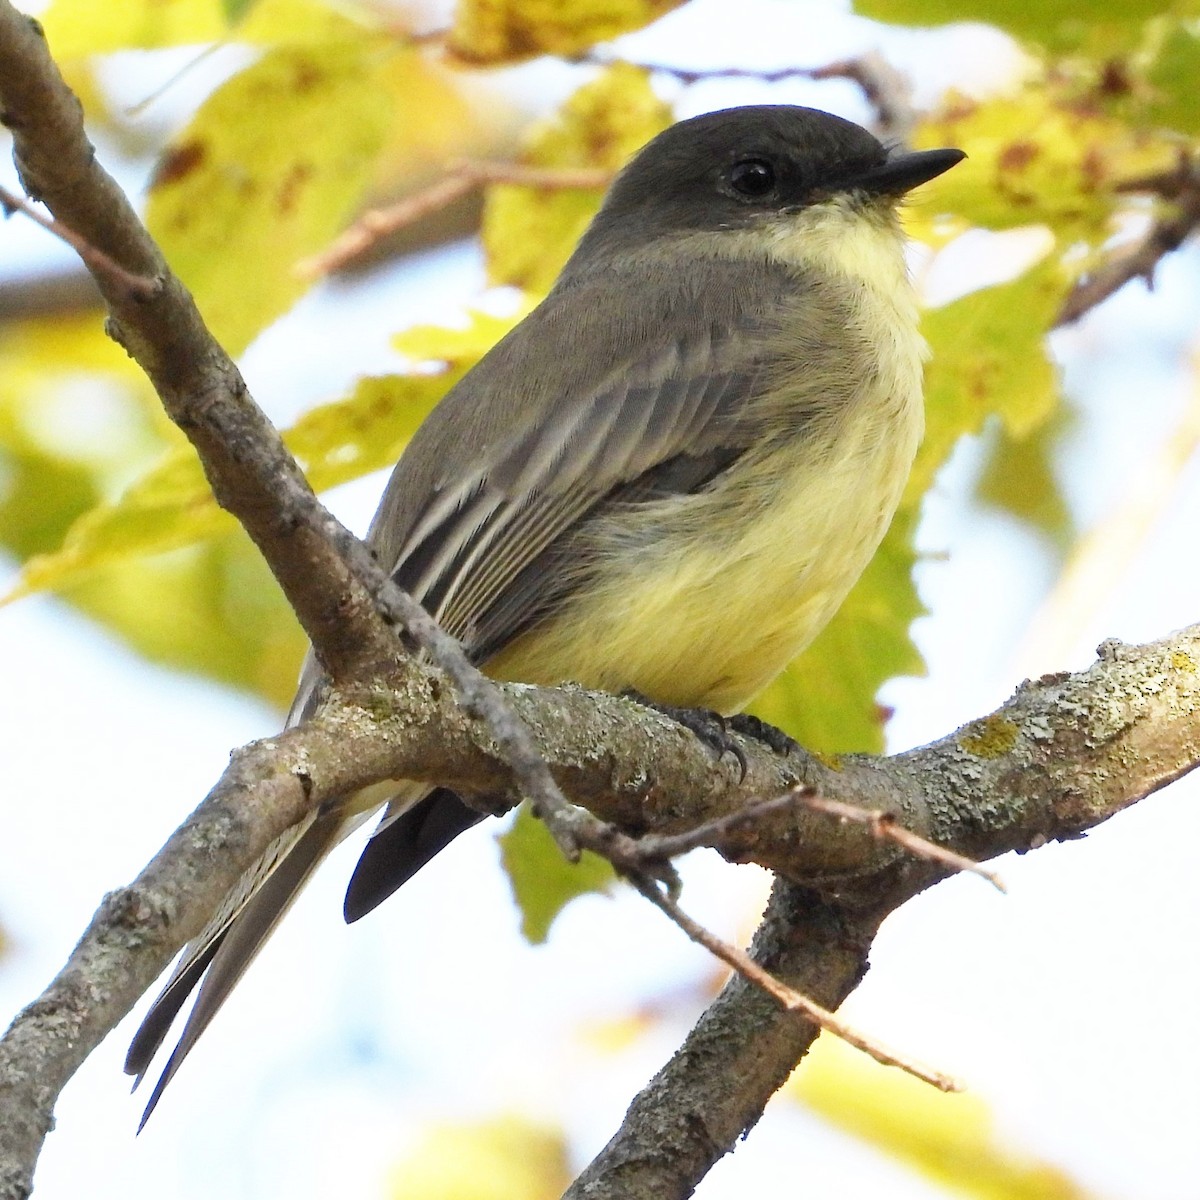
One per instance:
(709, 618)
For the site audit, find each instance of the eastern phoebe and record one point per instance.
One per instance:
(665, 479)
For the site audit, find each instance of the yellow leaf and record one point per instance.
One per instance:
(493, 31)
(502, 1159)
(461, 347)
(947, 1138)
(989, 356)
(171, 506)
(268, 171)
(529, 233)
(211, 608)
(437, 123)
(78, 27)
(299, 22)
(1043, 155)
(166, 509)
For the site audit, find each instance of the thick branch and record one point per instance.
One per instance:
(738, 1056)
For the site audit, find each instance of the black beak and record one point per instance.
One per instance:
(904, 171)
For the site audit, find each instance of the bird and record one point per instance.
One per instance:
(663, 481)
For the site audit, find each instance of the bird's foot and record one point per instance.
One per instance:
(771, 736)
(710, 727)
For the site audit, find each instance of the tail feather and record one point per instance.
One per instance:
(222, 956)
(158, 1021)
(198, 953)
(215, 960)
(407, 838)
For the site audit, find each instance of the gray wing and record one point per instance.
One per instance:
(612, 406)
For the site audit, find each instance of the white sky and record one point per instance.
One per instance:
(1068, 1005)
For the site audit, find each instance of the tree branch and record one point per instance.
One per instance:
(459, 179)
(887, 90)
(1181, 188)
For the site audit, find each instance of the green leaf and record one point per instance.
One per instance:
(1172, 79)
(543, 882)
(40, 498)
(1019, 478)
(75, 420)
(235, 10)
(211, 608)
(529, 233)
(267, 173)
(171, 507)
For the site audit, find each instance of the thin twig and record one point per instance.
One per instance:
(1139, 261)
(138, 287)
(887, 90)
(885, 826)
(789, 998)
(58, 291)
(716, 833)
(460, 179)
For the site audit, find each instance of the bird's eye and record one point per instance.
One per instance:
(753, 177)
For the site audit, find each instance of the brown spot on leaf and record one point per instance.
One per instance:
(292, 184)
(1115, 79)
(178, 163)
(1093, 169)
(306, 76)
(1016, 156)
